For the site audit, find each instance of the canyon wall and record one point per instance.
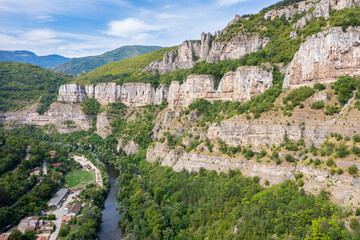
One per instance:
(324, 57)
(234, 86)
(65, 117)
(191, 52)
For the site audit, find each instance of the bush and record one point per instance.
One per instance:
(318, 105)
(357, 212)
(344, 88)
(317, 162)
(331, 110)
(289, 158)
(298, 95)
(353, 169)
(330, 162)
(64, 232)
(340, 171)
(319, 86)
(342, 151)
(356, 138)
(354, 223)
(90, 107)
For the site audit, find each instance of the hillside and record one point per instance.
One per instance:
(22, 84)
(77, 66)
(30, 57)
(124, 68)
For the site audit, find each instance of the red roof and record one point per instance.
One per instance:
(86, 166)
(4, 236)
(42, 238)
(56, 164)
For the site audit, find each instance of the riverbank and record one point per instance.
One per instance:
(84, 161)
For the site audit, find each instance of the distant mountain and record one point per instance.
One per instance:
(30, 57)
(77, 66)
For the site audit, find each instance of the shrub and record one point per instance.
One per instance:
(354, 223)
(298, 95)
(318, 105)
(340, 171)
(319, 86)
(357, 212)
(342, 151)
(344, 88)
(353, 170)
(356, 138)
(301, 182)
(90, 107)
(330, 162)
(317, 162)
(331, 110)
(289, 158)
(64, 232)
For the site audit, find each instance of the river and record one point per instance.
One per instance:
(110, 226)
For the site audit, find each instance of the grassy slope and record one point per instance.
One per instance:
(76, 66)
(125, 66)
(79, 178)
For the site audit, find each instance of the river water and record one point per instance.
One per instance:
(110, 226)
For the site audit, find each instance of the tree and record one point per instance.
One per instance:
(90, 107)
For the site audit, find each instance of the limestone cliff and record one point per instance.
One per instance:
(240, 85)
(324, 57)
(207, 48)
(103, 128)
(290, 11)
(72, 93)
(65, 117)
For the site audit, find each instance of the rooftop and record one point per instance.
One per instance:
(4, 236)
(58, 196)
(75, 208)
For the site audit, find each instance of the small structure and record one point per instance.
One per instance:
(36, 171)
(56, 165)
(43, 237)
(52, 154)
(59, 197)
(74, 209)
(66, 219)
(87, 166)
(4, 236)
(29, 223)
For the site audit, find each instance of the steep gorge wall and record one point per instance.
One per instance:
(234, 86)
(324, 57)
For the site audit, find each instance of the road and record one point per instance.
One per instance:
(44, 168)
(83, 161)
(59, 213)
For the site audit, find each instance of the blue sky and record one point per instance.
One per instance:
(76, 28)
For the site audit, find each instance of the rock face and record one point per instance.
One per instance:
(103, 128)
(66, 117)
(290, 11)
(72, 93)
(342, 187)
(207, 48)
(130, 148)
(240, 85)
(324, 57)
(234, 86)
(323, 9)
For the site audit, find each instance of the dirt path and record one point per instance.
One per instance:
(83, 161)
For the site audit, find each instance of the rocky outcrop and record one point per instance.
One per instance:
(324, 57)
(240, 85)
(129, 148)
(103, 128)
(323, 9)
(191, 52)
(65, 117)
(234, 86)
(72, 93)
(343, 187)
(290, 11)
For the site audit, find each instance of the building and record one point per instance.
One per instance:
(29, 223)
(66, 219)
(43, 237)
(4, 236)
(87, 166)
(59, 197)
(74, 209)
(56, 165)
(52, 154)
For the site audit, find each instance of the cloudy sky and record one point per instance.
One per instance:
(75, 28)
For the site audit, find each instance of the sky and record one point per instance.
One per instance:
(76, 28)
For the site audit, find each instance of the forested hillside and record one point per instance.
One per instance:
(22, 84)
(77, 66)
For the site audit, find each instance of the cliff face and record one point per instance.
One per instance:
(343, 187)
(191, 52)
(57, 115)
(323, 9)
(290, 11)
(324, 57)
(235, 86)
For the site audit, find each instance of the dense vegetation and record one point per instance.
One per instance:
(77, 66)
(22, 84)
(163, 204)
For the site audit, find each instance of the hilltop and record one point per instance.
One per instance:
(48, 61)
(77, 66)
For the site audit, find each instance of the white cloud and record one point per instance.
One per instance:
(130, 28)
(227, 3)
(168, 16)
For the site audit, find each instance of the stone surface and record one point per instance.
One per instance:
(324, 57)
(290, 11)
(103, 128)
(56, 115)
(161, 95)
(137, 94)
(129, 148)
(72, 93)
